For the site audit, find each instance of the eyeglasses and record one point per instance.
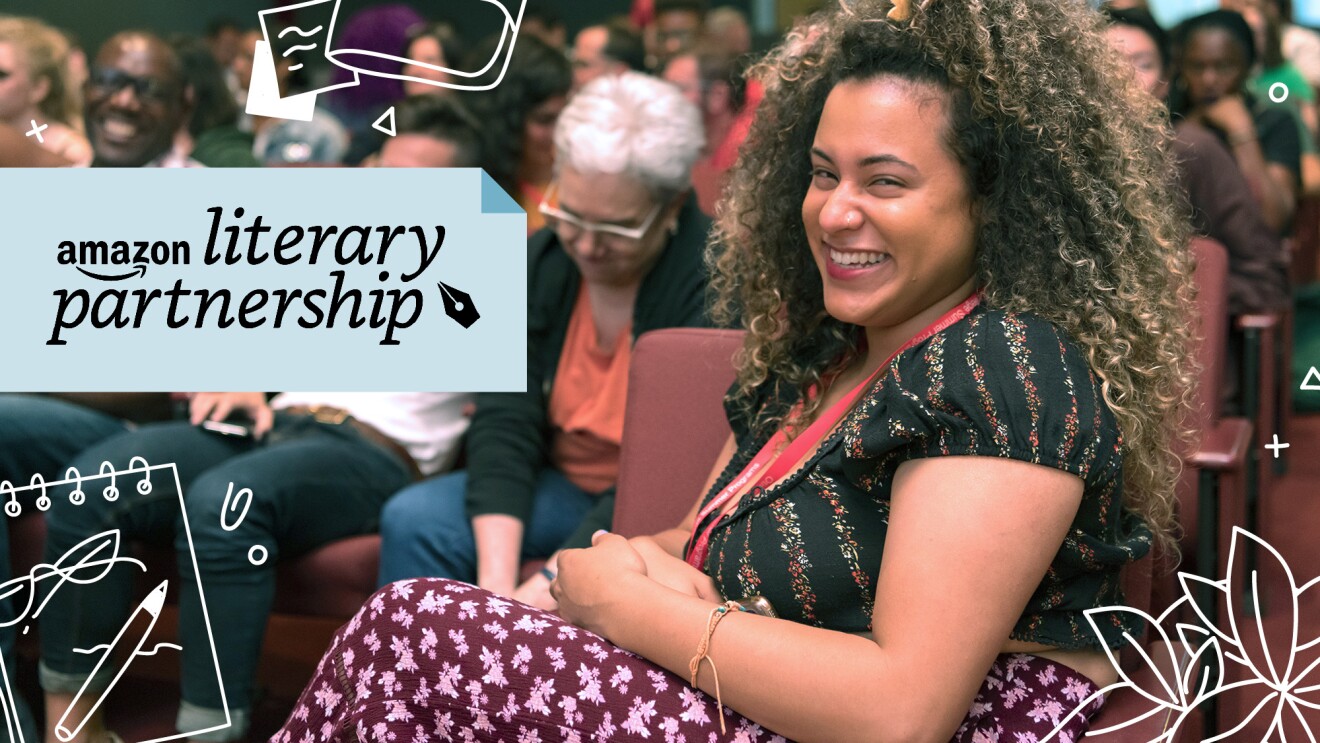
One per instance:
(570, 228)
(107, 81)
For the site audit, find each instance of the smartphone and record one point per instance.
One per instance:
(236, 426)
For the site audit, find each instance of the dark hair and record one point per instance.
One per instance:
(1231, 22)
(213, 104)
(446, 35)
(536, 73)
(544, 12)
(673, 6)
(444, 118)
(1143, 21)
(217, 26)
(623, 43)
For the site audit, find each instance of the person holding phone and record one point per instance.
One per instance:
(319, 466)
(965, 285)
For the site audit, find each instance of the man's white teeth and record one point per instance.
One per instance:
(856, 259)
(119, 129)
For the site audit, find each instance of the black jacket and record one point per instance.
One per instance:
(509, 439)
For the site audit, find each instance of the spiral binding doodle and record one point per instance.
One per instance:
(13, 509)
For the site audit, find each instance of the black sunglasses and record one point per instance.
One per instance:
(107, 81)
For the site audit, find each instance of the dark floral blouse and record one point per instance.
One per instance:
(993, 384)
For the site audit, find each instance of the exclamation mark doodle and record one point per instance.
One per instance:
(458, 305)
(258, 554)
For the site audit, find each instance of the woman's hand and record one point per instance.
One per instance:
(670, 571)
(591, 580)
(1230, 116)
(216, 406)
(535, 591)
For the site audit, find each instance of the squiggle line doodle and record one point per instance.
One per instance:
(106, 646)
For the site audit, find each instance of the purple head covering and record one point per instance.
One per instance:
(384, 29)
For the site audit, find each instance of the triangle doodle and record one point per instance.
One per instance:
(1308, 384)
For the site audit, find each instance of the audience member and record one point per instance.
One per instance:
(224, 36)
(432, 132)
(541, 20)
(35, 86)
(727, 29)
(39, 434)
(608, 49)
(519, 117)
(137, 101)
(212, 134)
(714, 81)
(1221, 201)
(321, 140)
(925, 257)
(676, 29)
(1301, 45)
(622, 255)
(319, 466)
(1217, 52)
(437, 47)
(379, 28)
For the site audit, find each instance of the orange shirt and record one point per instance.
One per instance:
(587, 401)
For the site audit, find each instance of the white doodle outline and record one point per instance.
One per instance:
(44, 570)
(1180, 699)
(508, 33)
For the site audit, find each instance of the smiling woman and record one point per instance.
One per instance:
(950, 432)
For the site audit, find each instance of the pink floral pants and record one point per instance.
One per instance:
(438, 660)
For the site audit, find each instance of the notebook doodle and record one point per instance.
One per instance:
(87, 563)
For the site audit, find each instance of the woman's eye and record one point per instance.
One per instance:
(883, 181)
(821, 174)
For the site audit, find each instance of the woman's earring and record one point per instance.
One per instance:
(673, 228)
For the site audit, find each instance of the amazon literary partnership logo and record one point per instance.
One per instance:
(387, 307)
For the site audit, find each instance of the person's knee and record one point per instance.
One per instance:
(220, 516)
(426, 509)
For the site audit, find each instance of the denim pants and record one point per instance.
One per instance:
(311, 483)
(425, 530)
(38, 435)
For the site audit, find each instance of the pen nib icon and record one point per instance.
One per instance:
(458, 305)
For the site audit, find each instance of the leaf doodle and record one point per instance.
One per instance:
(1271, 687)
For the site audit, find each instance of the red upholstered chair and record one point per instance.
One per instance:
(675, 426)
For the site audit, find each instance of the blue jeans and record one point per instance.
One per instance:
(425, 530)
(312, 483)
(38, 435)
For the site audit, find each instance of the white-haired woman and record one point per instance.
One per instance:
(622, 254)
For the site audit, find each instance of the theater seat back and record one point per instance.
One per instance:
(674, 427)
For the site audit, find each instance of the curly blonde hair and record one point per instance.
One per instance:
(1070, 170)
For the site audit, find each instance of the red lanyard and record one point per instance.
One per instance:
(778, 465)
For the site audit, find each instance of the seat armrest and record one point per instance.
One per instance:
(1224, 446)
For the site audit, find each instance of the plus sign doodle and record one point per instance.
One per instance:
(36, 131)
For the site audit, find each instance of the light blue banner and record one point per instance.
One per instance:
(352, 280)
